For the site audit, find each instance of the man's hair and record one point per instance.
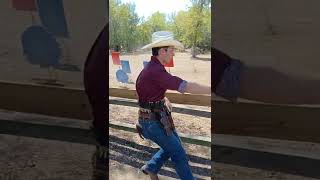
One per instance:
(156, 49)
(117, 48)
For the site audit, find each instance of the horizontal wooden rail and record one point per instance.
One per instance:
(47, 100)
(177, 108)
(191, 139)
(200, 100)
(299, 123)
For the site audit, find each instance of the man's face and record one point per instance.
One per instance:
(168, 53)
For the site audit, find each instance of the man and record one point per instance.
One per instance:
(95, 83)
(233, 79)
(155, 122)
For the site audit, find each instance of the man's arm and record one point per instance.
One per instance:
(264, 84)
(195, 88)
(268, 85)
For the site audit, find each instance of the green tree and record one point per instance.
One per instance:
(122, 25)
(192, 27)
(156, 22)
(198, 32)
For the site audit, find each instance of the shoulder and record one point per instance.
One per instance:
(155, 69)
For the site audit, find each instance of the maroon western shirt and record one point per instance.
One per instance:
(154, 81)
(95, 79)
(220, 62)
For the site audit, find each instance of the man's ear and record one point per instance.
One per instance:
(162, 51)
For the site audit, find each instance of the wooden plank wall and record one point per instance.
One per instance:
(246, 119)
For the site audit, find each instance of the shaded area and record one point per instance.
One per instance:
(137, 165)
(130, 156)
(44, 81)
(268, 161)
(68, 134)
(84, 136)
(68, 67)
(58, 133)
(4, 53)
(236, 156)
(193, 112)
(150, 150)
(267, 121)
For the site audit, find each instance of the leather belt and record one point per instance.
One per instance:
(152, 105)
(148, 115)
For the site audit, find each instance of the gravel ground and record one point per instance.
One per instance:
(34, 154)
(128, 152)
(184, 123)
(231, 172)
(27, 158)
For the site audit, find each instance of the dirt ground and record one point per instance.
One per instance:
(189, 124)
(26, 158)
(254, 162)
(185, 123)
(232, 172)
(35, 147)
(129, 156)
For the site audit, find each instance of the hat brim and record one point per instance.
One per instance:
(171, 42)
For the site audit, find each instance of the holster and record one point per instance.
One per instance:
(162, 114)
(167, 121)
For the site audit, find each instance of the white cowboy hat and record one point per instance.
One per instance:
(163, 38)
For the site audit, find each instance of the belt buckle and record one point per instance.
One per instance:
(145, 110)
(144, 114)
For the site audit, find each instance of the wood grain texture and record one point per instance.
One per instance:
(200, 100)
(270, 121)
(246, 119)
(281, 34)
(53, 101)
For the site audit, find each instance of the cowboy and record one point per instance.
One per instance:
(155, 122)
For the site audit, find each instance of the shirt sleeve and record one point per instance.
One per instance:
(182, 86)
(166, 80)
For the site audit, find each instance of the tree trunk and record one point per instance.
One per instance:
(193, 51)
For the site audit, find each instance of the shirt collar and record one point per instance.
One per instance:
(156, 60)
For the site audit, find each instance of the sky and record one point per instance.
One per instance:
(147, 7)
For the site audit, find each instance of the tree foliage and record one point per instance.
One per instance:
(191, 27)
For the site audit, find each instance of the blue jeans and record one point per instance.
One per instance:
(170, 147)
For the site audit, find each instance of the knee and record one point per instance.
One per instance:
(179, 155)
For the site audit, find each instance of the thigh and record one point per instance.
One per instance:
(170, 144)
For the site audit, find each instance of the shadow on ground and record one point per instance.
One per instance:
(132, 153)
(295, 165)
(223, 154)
